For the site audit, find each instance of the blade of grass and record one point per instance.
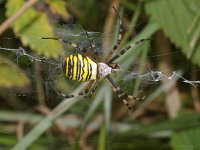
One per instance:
(128, 58)
(102, 138)
(44, 124)
(147, 32)
(95, 103)
(141, 67)
(181, 123)
(107, 114)
(31, 118)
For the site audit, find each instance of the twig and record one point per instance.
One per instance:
(98, 120)
(172, 94)
(20, 130)
(109, 22)
(6, 24)
(40, 88)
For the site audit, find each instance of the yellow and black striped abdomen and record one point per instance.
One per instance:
(78, 67)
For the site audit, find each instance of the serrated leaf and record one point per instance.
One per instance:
(175, 17)
(10, 75)
(59, 7)
(31, 26)
(186, 140)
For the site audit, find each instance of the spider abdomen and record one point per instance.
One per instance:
(78, 67)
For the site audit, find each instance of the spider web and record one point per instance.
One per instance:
(54, 82)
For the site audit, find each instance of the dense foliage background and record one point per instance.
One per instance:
(33, 116)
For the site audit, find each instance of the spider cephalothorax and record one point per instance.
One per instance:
(105, 69)
(88, 67)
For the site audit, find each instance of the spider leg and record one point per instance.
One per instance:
(94, 87)
(121, 32)
(92, 44)
(121, 94)
(84, 92)
(137, 43)
(82, 49)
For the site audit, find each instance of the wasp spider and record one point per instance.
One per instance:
(88, 67)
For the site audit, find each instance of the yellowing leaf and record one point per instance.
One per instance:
(31, 26)
(59, 7)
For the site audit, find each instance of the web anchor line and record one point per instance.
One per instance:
(156, 76)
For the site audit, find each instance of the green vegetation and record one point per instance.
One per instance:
(33, 113)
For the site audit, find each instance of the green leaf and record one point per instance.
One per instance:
(31, 26)
(10, 75)
(59, 7)
(175, 17)
(186, 140)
